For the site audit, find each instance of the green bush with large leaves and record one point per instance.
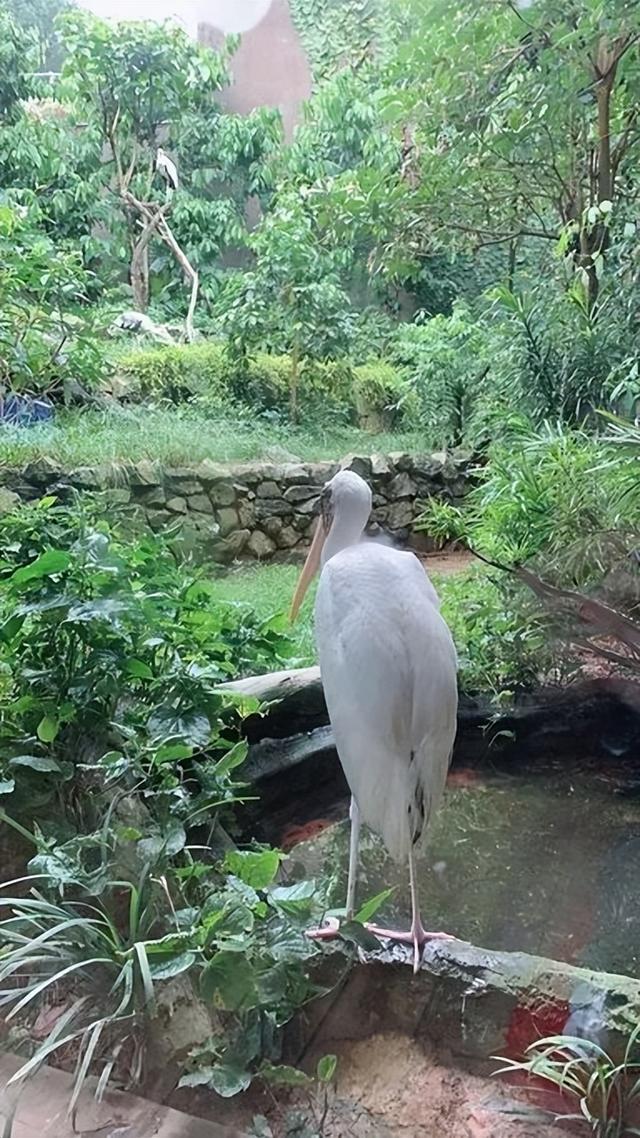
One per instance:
(120, 763)
(47, 335)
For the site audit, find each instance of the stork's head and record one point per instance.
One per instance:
(345, 505)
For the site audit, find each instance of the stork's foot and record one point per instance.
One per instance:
(328, 931)
(417, 936)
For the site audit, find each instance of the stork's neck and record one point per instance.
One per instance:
(345, 531)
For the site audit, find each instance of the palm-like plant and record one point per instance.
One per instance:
(606, 1091)
(110, 966)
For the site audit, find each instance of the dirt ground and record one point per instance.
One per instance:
(388, 1088)
(448, 561)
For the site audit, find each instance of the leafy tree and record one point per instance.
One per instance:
(136, 79)
(525, 124)
(45, 336)
(293, 298)
(39, 17)
(17, 57)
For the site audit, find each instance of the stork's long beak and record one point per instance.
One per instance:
(310, 567)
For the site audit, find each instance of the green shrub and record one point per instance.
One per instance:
(373, 394)
(382, 395)
(447, 360)
(177, 372)
(561, 499)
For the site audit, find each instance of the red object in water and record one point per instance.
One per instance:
(528, 1024)
(293, 835)
(531, 1022)
(465, 777)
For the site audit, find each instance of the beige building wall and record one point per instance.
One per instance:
(270, 67)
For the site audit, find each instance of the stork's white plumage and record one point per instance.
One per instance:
(388, 668)
(168, 168)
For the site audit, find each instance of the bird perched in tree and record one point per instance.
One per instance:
(389, 671)
(168, 169)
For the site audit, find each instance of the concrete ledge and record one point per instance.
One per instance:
(469, 1002)
(41, 1111)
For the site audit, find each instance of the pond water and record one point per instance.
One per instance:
(545, 860)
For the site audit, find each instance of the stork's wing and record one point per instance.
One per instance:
(389, 673)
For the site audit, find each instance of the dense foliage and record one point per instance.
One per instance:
(119, 753)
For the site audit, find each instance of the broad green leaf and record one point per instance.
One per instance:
(233, 758)
(326, 1068)
(256, 868)
(370, 907)
(166, 970)
(48, 563)
(191, 727)
(280, 1075)
(228, 980)
(139, 669)
(35, 762)
(293, 899)
(48, 728)
(357, 934)
(7, 785)
(226, 1081)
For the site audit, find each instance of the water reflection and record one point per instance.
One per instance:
(545, 861)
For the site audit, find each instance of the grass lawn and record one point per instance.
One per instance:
(269, 589)
(181, 435)
(501, 646)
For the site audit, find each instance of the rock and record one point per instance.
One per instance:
(310, 507)
(297, 494)
(293, 473)
(236, 542)
(458, 486)
(402, 486)
(260, 545)
(208, 471)
(145, 473)
(159, 519)
(302, 522)
(42, 470)
(268, 489)
(272, 526)
(380, 466)
(401, 461)
(227, 520)
(287, 538)
(222, 494)
(201, 503)
(360, 464)
(321, 472)
(246, 512)
(186, 488)
(399, 514)
(118, 495)
(156, 496)
(273, 507)
(87, 477)
(8, 500)
(177, 505)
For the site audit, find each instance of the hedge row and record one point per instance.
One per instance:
(374, 394)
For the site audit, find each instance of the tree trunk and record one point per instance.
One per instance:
(293, 382)
(139, 273)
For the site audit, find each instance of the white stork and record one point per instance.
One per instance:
(388, 668)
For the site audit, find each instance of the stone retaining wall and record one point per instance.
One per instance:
(258, 510)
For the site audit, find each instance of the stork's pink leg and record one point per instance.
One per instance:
(417, 934)
(331, 928)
